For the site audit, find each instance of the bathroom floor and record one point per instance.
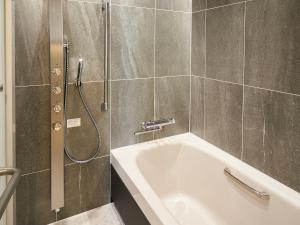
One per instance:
(105, 215)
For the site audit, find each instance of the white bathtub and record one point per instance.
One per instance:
(181, 180)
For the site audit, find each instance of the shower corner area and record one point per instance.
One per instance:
(225, 70)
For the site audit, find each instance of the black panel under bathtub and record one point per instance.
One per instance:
(124, 202)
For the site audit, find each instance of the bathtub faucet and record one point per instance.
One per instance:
(154, 125)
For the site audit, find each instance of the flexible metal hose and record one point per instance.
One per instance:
(90, 115)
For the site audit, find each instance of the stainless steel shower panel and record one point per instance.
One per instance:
(57, 98)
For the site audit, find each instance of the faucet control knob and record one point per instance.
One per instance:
(57, 108)
(57, 126)
(56, 90)
(56, 71)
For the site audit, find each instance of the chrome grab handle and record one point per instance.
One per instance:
(10, 187)
(260, 194)
(105, 8)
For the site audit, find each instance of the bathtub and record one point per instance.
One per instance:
(181, 180)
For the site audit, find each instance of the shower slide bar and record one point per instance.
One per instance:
(105, 8)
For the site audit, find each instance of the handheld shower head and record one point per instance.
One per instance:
(79, 72)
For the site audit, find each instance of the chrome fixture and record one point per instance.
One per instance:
(86, 107)
(154, 125)
(10, 187)
(57, 98)
(260, 194)
(105, 8)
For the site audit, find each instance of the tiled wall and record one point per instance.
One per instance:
(150, 78)
(150, 67)
(246, 82)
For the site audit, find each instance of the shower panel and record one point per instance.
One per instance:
(57, 100)
(59, 64)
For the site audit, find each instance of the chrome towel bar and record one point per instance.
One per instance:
(10, 187)
(260, 194)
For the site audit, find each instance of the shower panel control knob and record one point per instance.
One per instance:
(57, 108)
(56, 90)
(56, 71)
(57, 126)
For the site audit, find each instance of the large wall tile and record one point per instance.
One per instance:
(225, 43)
(95, 183)
(139, 3)
(33, 128)
(223, 116)
(72, 192)
(198, 44)
(132, 103)
(272, 134)
(84, 30)
(82, 141)
(172, 100)
(32, 42)
(198, 5)
(216, 3)
(197, 106)
(34, 200)
(272, 45)
(177, 5)
(132, 42)
(172, 50)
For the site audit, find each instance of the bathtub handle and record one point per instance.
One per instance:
(260, 194)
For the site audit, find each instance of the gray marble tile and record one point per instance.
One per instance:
(272, 134)
(139, 3)
(216, 3)
(177, 5)
(84, 30)
(33, 200)
(132, 42)
(132, 103)
(173, 32)
(272, 45)
(225, 43)
(197, 106)
(198, 44)
(172, 100)
(31, 42)
(104, 215)
(72, 192)
(95, 183)
(223, 116)
(33, 128)
(82, 141)
(198, 5)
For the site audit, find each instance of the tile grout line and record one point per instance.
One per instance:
(221, 6)
(249, 86)
(191, 40)
(205, 59)
(110, 91)
(65, 165)
(154, 68)
(149, 8)
(244, 63)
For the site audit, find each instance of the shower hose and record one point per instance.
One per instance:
(85, 105)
